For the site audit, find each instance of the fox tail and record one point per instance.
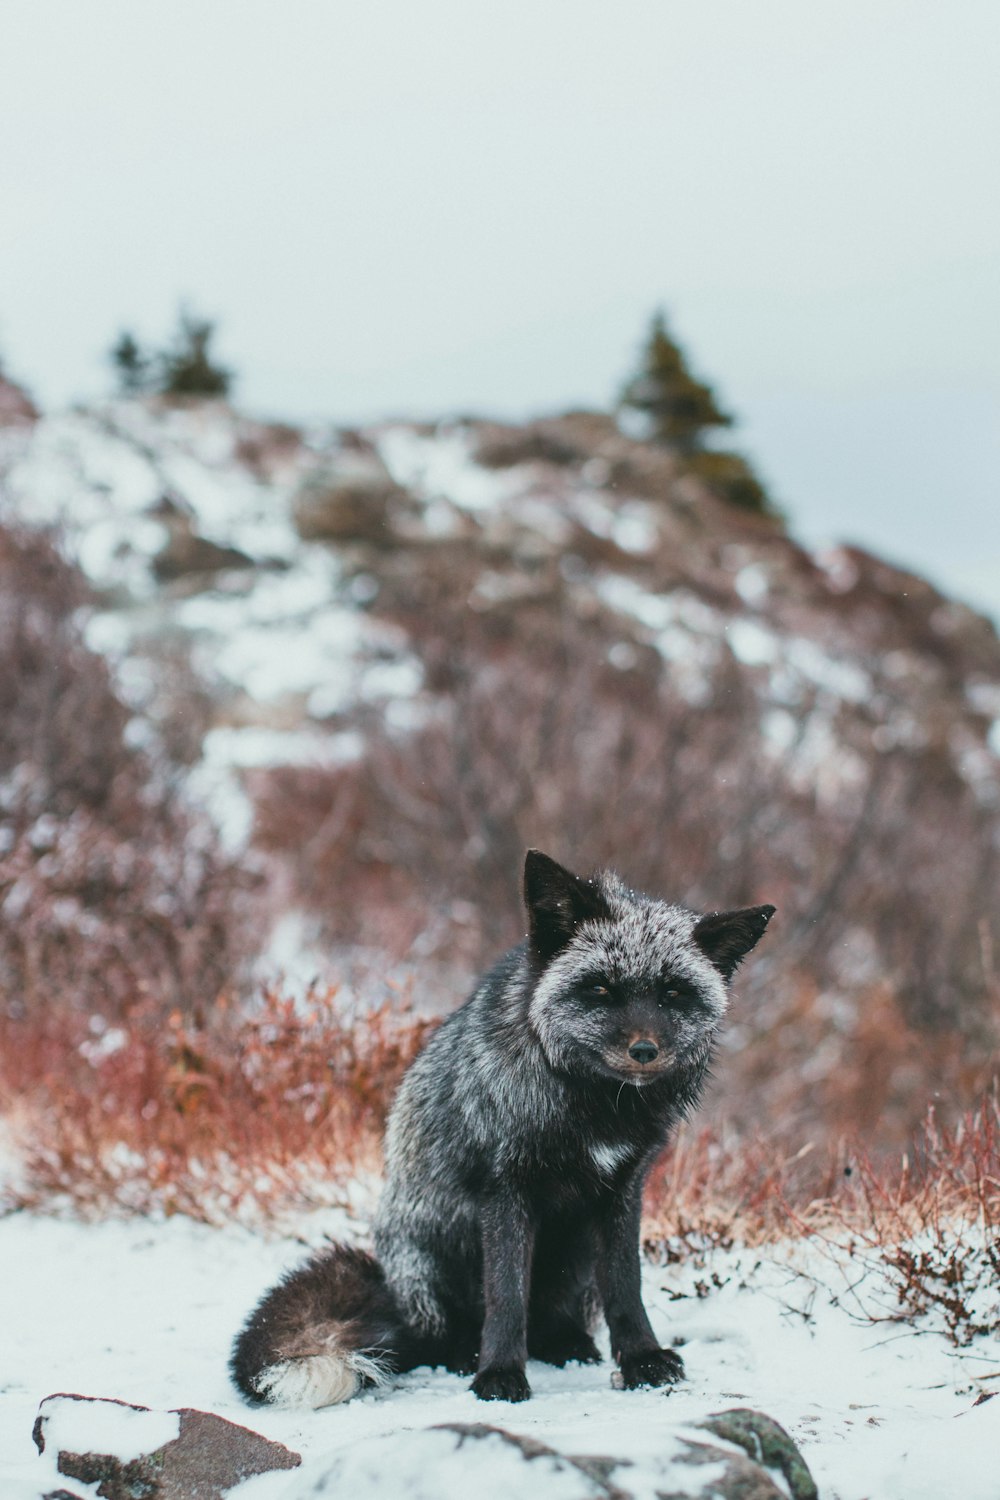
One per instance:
(327, 1329)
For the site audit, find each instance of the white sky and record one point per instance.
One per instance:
(423, 206)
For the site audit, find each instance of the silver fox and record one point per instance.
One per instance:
(516, 1153)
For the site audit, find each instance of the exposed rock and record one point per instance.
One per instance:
(141, 1454)
(185, 551)
(503, 1465)
(352, 498)
(767, 1442)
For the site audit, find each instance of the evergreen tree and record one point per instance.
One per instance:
(188, 369)
(732, 478)
(131, 364)
(680, 408)
(681, 412)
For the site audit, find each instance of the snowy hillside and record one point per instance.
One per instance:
(385, 661)
(299, 701)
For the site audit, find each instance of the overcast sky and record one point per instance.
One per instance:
(429, 206)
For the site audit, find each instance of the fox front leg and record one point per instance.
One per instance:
(633, 1343)
(508, 1240)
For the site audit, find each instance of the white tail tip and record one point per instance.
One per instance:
(316, 1380)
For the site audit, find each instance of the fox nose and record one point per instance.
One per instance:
(643, 1052)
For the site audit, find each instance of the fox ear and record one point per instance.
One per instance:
(726, 937)
(557, 903)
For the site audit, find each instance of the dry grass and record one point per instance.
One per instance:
(918, 1233)
(243, 1117)
(254, 1116)
(206, 1113)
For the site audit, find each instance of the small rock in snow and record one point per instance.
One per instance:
(131, 1450)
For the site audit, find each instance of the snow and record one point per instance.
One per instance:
(442, 466)
(798, 662)
(751, 583)
(145, 1311)
(98, 475)
(285, 639)
(628, 523)
(105, 1428)
(684, 630)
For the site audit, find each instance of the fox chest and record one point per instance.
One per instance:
(556, 1174)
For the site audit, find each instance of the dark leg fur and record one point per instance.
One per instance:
(564, 1303)
(508, 1238)
(556, 1339)
(633, 1343)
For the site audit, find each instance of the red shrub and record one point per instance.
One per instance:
(245, 1113)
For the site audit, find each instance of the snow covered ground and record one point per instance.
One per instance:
(146, 1311)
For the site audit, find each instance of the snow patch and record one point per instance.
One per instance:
(105, 1426)
(442, 466)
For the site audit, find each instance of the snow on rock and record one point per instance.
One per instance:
(269, 627)
(82, 1424)
(131, 1451)
(451, 1459)
(441, 465)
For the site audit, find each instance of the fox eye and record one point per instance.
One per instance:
(596, 991)
(670, 994)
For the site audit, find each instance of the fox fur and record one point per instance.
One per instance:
(516, 1153)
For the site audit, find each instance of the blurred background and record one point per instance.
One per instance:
(429, 430)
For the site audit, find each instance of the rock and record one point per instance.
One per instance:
(185, 551)
(741, 1465)
(353, 498)
(766, 1441)
(135, 1453)
(482, 1459)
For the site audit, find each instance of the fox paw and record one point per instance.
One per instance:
(502, 1385)
(650, 1367)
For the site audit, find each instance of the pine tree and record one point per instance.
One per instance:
(188, 368)
(681, 412)
(680, 408)
(131, 364)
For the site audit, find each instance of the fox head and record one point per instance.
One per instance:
(627, 987)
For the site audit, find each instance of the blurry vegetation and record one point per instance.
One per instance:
(111, 889)
(186, 367)
(680, 408)
(131, 365)
(682, 413)
(880, 989)
(224, 1113)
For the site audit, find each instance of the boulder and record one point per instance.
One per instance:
(185, 551)
(353, 498)
(747, 1457)
(131, 1451)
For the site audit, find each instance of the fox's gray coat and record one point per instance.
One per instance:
(516, 1153)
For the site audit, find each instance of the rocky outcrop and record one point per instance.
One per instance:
(185, 551)
(132, 1451)
(350, 498)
